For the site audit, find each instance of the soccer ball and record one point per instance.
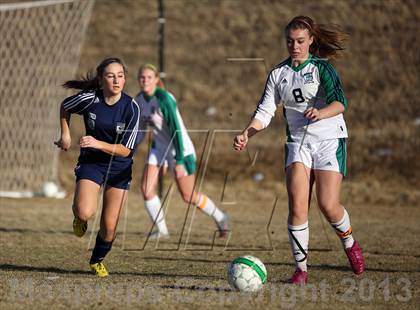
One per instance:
(50, 189)
(247, 273)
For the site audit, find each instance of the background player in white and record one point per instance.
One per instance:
(171, 144)
(313, 106)
(111, 120)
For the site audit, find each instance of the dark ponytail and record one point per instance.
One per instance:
(90, 82)
(328, 39)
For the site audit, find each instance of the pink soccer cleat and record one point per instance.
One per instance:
(300, 277)
(356, 259)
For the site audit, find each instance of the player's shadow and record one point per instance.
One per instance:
(9, 267)
(34, 231)
(207, 261)
(167, 275)
(194, 260)
(346, 268)
(195, 288)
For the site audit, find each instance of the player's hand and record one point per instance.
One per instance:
(64, 142)
(180, 171)
(313, 114)
(240, 141)
(89, 141)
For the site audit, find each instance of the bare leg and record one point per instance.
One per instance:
(85, 200)
(299, 185)
(114, 199)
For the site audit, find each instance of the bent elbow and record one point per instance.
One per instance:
(124, 151)
(127, 153)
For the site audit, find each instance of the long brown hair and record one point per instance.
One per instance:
(328, 39)
(90, 82)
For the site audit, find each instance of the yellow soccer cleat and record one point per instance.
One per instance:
(79, 227)
(99, 269)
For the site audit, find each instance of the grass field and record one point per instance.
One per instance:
(43, 265)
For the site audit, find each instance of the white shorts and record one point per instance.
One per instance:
(325, 155)
(161, 158)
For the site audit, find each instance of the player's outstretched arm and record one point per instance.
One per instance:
(112, 149)
(241, 140)
(332, 109)
(65, 139)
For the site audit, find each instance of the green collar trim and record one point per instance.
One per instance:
(302, 65)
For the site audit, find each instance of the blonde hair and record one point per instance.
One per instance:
(155, 71)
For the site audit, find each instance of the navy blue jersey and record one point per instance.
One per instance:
(114, 124)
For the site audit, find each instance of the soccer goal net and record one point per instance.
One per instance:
(39, 49)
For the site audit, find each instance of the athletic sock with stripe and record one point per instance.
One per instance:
(208, 207)
(299, 239)
(344, 231)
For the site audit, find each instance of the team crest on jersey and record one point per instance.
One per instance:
(308, 78)
(120, 128)
(91, 121)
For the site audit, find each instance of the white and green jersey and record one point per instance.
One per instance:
(169, 133)
(314, 83)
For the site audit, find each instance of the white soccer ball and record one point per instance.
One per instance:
(50, 189)
(247, 273)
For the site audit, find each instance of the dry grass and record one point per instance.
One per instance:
(42, 264)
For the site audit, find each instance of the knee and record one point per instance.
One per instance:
(330, 208)
(328, 205)
(82, 213)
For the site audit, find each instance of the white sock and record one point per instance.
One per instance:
(299, 239)
(344, 231)
(152, 207)
(208, 207)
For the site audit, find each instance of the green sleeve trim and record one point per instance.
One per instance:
(190, 164)
(331, 83)
(168, 107)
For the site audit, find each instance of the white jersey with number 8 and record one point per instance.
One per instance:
(314, 83)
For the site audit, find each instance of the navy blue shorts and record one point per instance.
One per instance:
(98, 173)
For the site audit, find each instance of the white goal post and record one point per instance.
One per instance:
(40, 48)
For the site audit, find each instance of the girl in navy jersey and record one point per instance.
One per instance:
(313, 102)
(172, 146)
(111, 120)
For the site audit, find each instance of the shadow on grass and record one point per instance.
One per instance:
(34, 231)
(195, 288)
(23, 268)
(9, 267)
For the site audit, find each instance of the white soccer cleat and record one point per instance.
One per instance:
(223, 226)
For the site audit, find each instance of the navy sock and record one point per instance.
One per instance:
(101, 250)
